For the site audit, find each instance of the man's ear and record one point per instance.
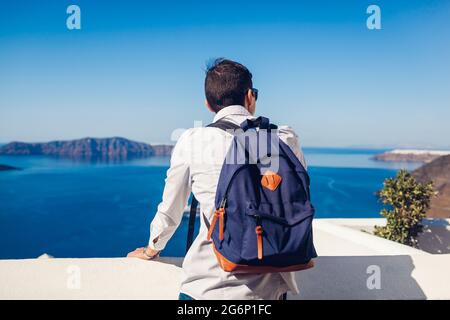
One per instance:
(248, 98)
(209, 106)
(250, 102)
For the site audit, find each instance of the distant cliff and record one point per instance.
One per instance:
(437, 171)
(424, 156)
(5, 167)
(162, 150)
(115, 147)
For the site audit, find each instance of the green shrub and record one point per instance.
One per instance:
(408, 202)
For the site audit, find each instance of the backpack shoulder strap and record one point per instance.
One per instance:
(192, 215)
(224, 125)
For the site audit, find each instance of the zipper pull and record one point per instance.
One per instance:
(259, 238)
(219, 214)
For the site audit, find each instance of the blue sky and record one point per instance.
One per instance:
(136, 68)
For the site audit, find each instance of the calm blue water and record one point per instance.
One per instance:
(80, 209)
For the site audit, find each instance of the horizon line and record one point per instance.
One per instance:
(355, 147)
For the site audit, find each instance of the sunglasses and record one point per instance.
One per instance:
(254, 92)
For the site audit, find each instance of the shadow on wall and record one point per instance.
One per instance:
(361, 277)
(435, 237)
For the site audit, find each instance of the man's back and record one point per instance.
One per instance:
(196, 163)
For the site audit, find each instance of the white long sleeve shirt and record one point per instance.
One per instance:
(195, 166)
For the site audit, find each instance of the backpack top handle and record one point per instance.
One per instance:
(260, 122)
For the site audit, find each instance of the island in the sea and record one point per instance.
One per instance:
(100, 148)
(403, 155)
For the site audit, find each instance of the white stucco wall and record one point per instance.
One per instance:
(346, 255)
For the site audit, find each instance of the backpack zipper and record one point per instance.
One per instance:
(220, 212)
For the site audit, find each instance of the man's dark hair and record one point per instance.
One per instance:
(226, 84)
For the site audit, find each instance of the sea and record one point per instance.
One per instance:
(78, 208)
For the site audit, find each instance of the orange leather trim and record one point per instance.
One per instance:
(270, 180)
(213, 223)
(259, 240)
(221, 222)
(229, 266)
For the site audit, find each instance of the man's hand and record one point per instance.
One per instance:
(139, 253)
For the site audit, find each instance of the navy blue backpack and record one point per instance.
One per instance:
(263, 219)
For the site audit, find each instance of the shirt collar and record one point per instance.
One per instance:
(231, 110)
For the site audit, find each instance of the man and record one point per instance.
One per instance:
(195, 166)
